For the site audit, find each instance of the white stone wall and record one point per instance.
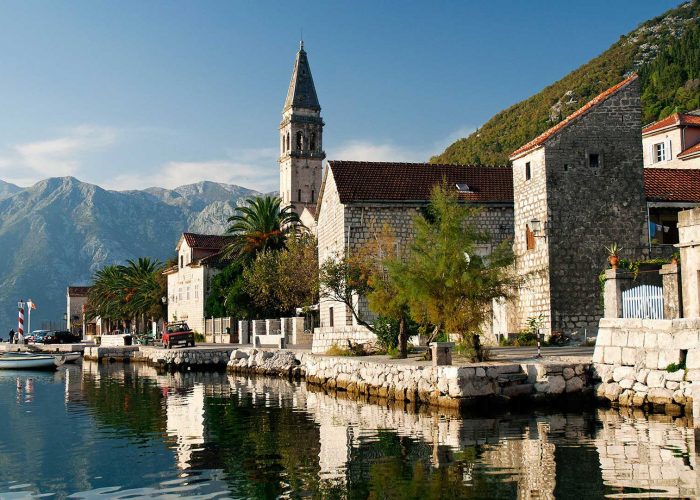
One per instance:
(187, 292)
(632, 357)
(532, 266)
(331, 244)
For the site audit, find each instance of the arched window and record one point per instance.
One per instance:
(312, 144)
(300, 141)
(288, 141)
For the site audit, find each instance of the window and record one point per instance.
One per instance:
(299, 195)
(330, 316)
(196, 291)
(529, 238)
(289, 141)
(312, 195)
(179, 294)
(188, 293)
(300, 141)
(182, 261)
(312, 144)
(528, 172)
(594, 160)
(659, 152)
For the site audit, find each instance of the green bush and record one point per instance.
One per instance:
(674, 367)
(387, 332)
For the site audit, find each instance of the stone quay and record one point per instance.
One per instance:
(412, 381)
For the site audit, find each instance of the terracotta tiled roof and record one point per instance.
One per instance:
(409, 182)
(672, 184)
(78, 291)
(215, 259)
(206, 241)
(675, 120)
(692, 150)
(542, 138)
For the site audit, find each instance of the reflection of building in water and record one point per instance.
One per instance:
(185, 422)
(531, 457)
(648, 453)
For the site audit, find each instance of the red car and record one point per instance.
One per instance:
(177, 334)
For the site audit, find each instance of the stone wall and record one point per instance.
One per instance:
(532, 265)
(325, 337)
(446, 386)
(632, 357)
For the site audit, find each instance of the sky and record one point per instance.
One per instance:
(133, 94)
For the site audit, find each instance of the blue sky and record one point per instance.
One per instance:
(134, 94)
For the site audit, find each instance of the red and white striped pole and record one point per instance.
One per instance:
(20, 319)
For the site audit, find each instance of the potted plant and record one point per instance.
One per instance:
(675, 258)
(614, 255)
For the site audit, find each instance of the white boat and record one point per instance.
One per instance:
(24, 361)
(70, 357)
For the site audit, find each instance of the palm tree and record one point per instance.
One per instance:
(261, 224)
(124, 293)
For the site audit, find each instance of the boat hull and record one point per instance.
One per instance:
(30, 363)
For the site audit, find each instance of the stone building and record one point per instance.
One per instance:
(189, 281)
(301, 142)
(357, 199)
(578, 187)
(76, 301)
(673, 142)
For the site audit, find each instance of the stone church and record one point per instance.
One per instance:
(573, 190)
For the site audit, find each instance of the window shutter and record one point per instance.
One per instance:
(669, 156)
(652, 158)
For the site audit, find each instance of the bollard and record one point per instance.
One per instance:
(442, 353)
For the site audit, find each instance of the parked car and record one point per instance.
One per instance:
(178, 333)
(61, 337)
(36, 337)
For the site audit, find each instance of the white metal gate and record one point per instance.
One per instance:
(644, 302)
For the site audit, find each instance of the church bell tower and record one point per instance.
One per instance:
(301, 139)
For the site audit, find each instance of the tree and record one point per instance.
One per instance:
(125, 293)
(341, 280)
(261, 224)
(445, 282)
(380, 260)
(280, 281)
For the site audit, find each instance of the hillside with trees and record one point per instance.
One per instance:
(665, 51)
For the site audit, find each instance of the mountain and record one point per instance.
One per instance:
(665, 51)
(7, 189)
(60, 230)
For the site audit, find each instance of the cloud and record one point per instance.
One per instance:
(262, 175)
(29, 162)
(362, 150)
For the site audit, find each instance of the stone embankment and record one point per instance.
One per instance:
(375, 376)
(446, 386)
(653, 364)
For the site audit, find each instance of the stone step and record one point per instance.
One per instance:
(518, 390)
(511, 378)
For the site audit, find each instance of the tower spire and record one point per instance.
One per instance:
(302, 92)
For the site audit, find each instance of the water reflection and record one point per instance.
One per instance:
(129, 431)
